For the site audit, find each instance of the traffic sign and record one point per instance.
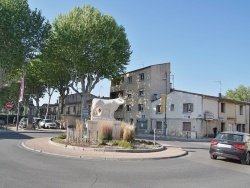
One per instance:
(9, 105)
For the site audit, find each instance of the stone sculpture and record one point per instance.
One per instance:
(105, 108)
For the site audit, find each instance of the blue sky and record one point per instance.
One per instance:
(205, 41)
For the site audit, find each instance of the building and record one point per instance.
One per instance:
(140, 87)
(196, 115)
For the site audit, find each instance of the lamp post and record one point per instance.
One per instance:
(165, 107)
(165, 116)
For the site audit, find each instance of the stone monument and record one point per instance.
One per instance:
(103, 109)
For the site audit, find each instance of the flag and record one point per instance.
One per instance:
(21, 90)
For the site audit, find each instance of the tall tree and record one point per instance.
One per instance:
(91, 46)
(23, 33)
(241, 93)
(35, 85)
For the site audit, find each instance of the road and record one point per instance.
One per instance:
(22, 168)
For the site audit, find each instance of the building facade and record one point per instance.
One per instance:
(140, 87)
(195, 115)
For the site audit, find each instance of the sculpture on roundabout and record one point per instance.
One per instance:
(105, 108)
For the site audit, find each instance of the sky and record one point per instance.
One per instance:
(207, 42)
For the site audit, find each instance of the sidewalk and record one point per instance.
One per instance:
(46, 146)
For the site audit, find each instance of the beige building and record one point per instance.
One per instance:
(141, 87)
(196, 115)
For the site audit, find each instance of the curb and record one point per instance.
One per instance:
(183, 153)
(161, 148)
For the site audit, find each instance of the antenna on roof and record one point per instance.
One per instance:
(220, 84)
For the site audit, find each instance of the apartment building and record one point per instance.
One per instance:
(196, 115)
(140, 87)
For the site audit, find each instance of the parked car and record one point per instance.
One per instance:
(35, 121)
(232, 145)
(47, 123)
(23, 123)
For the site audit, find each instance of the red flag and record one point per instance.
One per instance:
(21, 90)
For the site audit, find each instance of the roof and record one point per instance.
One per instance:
(146, 67)
(214, 97)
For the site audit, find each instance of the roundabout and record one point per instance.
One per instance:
(46, 146)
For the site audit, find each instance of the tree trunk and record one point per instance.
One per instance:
(84, 114)
(37, 107)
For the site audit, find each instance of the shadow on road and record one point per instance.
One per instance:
(13, 135)
(25, 134)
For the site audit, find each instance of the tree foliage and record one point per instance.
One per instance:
(91, 46)
(35, 86)
(241, 93)
(23, 33)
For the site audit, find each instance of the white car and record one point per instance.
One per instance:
(23, 123)
(47, 124)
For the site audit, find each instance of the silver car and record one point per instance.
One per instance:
(47, 124)
(23, 123)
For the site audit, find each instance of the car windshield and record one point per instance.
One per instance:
(48, 120)
(232, 137)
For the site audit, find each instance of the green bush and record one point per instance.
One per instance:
(145, 142)
(62, 136)
(125, 144)
(115, 142)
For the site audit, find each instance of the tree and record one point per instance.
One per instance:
(241, 93)
(91, 46)
(23, 34)
(34, 83)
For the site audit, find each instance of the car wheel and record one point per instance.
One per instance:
(213, 156)
(246, 161)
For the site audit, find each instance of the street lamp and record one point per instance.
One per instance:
(164, 97)
(164, 102)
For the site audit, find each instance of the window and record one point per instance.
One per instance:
(172, 107)
(129, 94)
(186, 126)
(241, 110)
(241, 127)
(158, 109)
(141, 92)
(223, 106)
(130, 79)
(187, 107)
(140, 107)
(128, 107)
(141, 77)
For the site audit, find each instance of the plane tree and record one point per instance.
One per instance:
(91, 46)
(23, 33)
(35, 85)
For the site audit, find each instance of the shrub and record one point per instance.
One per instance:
(105, 131)
(125, 144)
(146, 142)
(115, 142)
(123, 126)
(129, 133)
(62, 136)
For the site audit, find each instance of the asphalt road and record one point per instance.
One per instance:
(23, 169)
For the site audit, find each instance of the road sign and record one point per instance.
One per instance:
(9, 105)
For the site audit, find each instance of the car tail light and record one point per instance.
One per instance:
(214, 143)
(239, 146)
